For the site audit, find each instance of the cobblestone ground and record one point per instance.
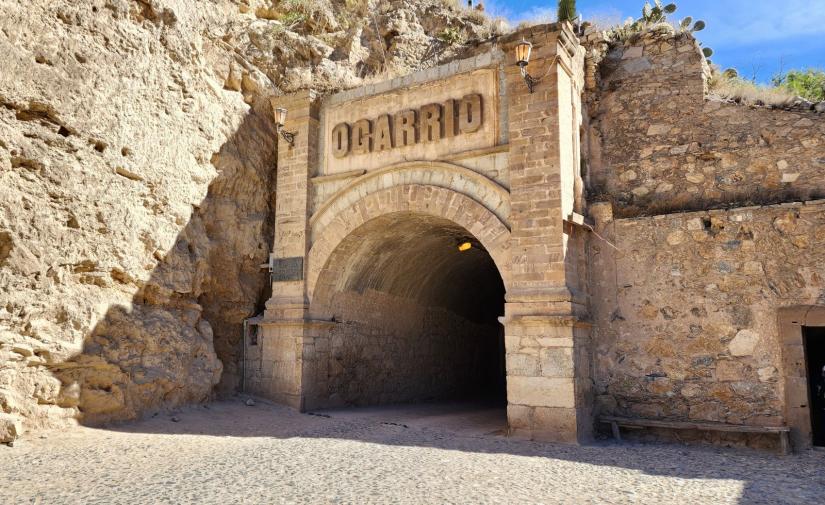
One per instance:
(230, 453)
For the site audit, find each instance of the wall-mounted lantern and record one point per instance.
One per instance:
(280, 121)
(522, 60)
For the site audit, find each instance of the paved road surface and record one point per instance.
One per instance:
(231, 453)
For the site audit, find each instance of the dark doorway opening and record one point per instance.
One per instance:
(416, 301)
(815, 359)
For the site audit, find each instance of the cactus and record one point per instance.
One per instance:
(656, 13)
(730, 73)
(652, 15)
(684, 25)
(567, 10)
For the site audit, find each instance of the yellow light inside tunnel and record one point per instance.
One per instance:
(465, 246)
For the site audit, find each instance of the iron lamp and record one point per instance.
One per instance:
(523, 50)
(280, 121)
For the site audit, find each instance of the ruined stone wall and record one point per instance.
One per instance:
(685, 312)
(657, 145)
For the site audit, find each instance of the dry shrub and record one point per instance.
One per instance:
(308, 16)
(535, 17)
(743, 91)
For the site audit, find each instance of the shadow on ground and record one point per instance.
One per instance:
(477, 428)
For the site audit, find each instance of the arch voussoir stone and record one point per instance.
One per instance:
(462, 180)
(436, 201)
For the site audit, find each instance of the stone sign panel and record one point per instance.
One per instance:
(287, 269)
(425, 122)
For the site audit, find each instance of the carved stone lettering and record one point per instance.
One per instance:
(405, 128)
(469, 114)
(430, 123)
(430, 130)
(449, 119)
(361, 136)
(340, 140)
(383, 134)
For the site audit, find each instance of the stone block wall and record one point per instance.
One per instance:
(545, 401)
(685, 311)
(420, 354)
(657, 145)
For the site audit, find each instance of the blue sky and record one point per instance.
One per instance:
(756, 37)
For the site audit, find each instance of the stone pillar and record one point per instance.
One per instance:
(548, 361)
(284, 327)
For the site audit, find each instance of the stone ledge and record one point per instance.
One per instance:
(719, 212)
(484, 60)
(320, 179)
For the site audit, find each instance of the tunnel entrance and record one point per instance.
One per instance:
(415, 301)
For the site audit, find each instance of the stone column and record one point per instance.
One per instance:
(548, 363)
(284, 326)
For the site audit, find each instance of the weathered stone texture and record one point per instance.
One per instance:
(657, 145)
(687, 328)
(420, 353)
(105, 150)
(10, 428)
(137, 159)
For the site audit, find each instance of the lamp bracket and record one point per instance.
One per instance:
(529, 80)
(289, 136)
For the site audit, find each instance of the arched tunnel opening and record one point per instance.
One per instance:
(415, 301)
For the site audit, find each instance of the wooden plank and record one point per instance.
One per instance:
(688, 425)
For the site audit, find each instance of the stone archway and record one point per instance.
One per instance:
(456, 207)
(435, 174)
(412, 317)
(512, 176)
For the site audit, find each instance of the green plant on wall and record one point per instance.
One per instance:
(450, 36)
(567, 10)
(809, 84)
(684, 25)
(656, 13)
(292, 19)
(653, 15)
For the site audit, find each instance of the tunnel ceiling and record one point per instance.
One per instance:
(416, 257)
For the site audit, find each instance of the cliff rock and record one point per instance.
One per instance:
(137, 163)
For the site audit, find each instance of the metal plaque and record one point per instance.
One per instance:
(287, 269)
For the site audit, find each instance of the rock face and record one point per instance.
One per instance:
(10, 428)
(137, 161)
